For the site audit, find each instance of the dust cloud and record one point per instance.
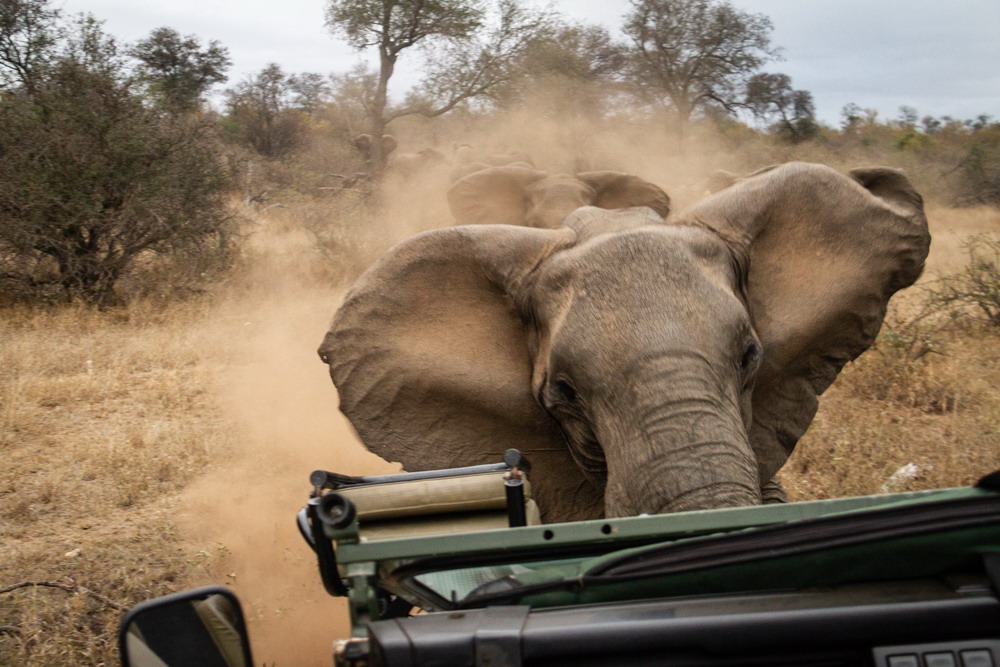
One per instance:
(277, 395)
(280, 400)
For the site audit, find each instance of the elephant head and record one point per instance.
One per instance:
(643, 367)
(409, 165)
(511, 157)
(521, 195)
(363, 142)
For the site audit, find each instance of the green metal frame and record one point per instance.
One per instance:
(371, 567)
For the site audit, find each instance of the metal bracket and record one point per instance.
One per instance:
(362, 596)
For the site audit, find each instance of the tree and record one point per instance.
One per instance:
(469, 59)
(695, 54)
(28, 32)
(851, 116)
(579, 51)
(582, 62)
(177, 69)
(92, 179)
(770, 97)
(979, 170)
(262, 112)
(309, 90)
(908, 118)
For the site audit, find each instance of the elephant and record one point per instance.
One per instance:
(719, 180)
(642, 366)
(363, 142)
(520, 195)
(510, 157)
(408, 165)
(462, 170)
(462, 153)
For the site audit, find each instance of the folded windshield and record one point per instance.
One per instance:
(913, 539)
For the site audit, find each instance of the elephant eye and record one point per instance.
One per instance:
(564, 390)
(750, 357)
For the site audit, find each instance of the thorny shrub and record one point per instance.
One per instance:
(974, 293)
(908, 362)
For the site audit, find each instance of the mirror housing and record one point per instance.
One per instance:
(202, 627)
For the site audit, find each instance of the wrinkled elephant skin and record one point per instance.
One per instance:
(643, 366)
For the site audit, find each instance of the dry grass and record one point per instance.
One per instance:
(927, 393)
(155, 448)
(105, 418)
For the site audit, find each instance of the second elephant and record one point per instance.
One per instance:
(517, 195)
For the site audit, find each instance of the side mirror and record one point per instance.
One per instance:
(203, 627)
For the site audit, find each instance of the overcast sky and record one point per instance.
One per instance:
(941, 57)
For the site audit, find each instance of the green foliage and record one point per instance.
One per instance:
(396, 25)
(177, 70)
(262, 113)
(792, 113)
(696, 54)
(95, 182)
(28, 32)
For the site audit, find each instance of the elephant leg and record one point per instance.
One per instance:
(772, 492)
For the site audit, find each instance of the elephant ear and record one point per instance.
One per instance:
(389, 144)
(826, 252)
(719, 180)
(430, 358)
(617, 190)
(363, 142)
(493, 195)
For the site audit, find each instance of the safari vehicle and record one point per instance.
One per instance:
(451, 567)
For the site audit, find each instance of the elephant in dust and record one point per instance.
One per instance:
(409, 165)
(462, 153)
(466, 162)
(364, 142)
(520, 195)
(510, 157)
(462, 170)
(643, 367)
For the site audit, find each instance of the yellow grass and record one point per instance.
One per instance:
(885, 411)
(156, 448)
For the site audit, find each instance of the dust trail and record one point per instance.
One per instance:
(283, 408)
(279, 399)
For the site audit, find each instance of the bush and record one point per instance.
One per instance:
(902, 367)
(973, 293)
(93, 179)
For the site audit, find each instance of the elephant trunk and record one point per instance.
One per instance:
(697, 459)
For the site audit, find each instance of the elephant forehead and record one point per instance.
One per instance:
(560, 187)
(657, 278)
(656, 253)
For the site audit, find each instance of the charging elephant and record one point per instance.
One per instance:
(462, 170)
(510, 157)
(410, 165)
(364, 142)
(643, 367)
(521, 195)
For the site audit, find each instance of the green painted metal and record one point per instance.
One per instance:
(609, 531)
(557, 549)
